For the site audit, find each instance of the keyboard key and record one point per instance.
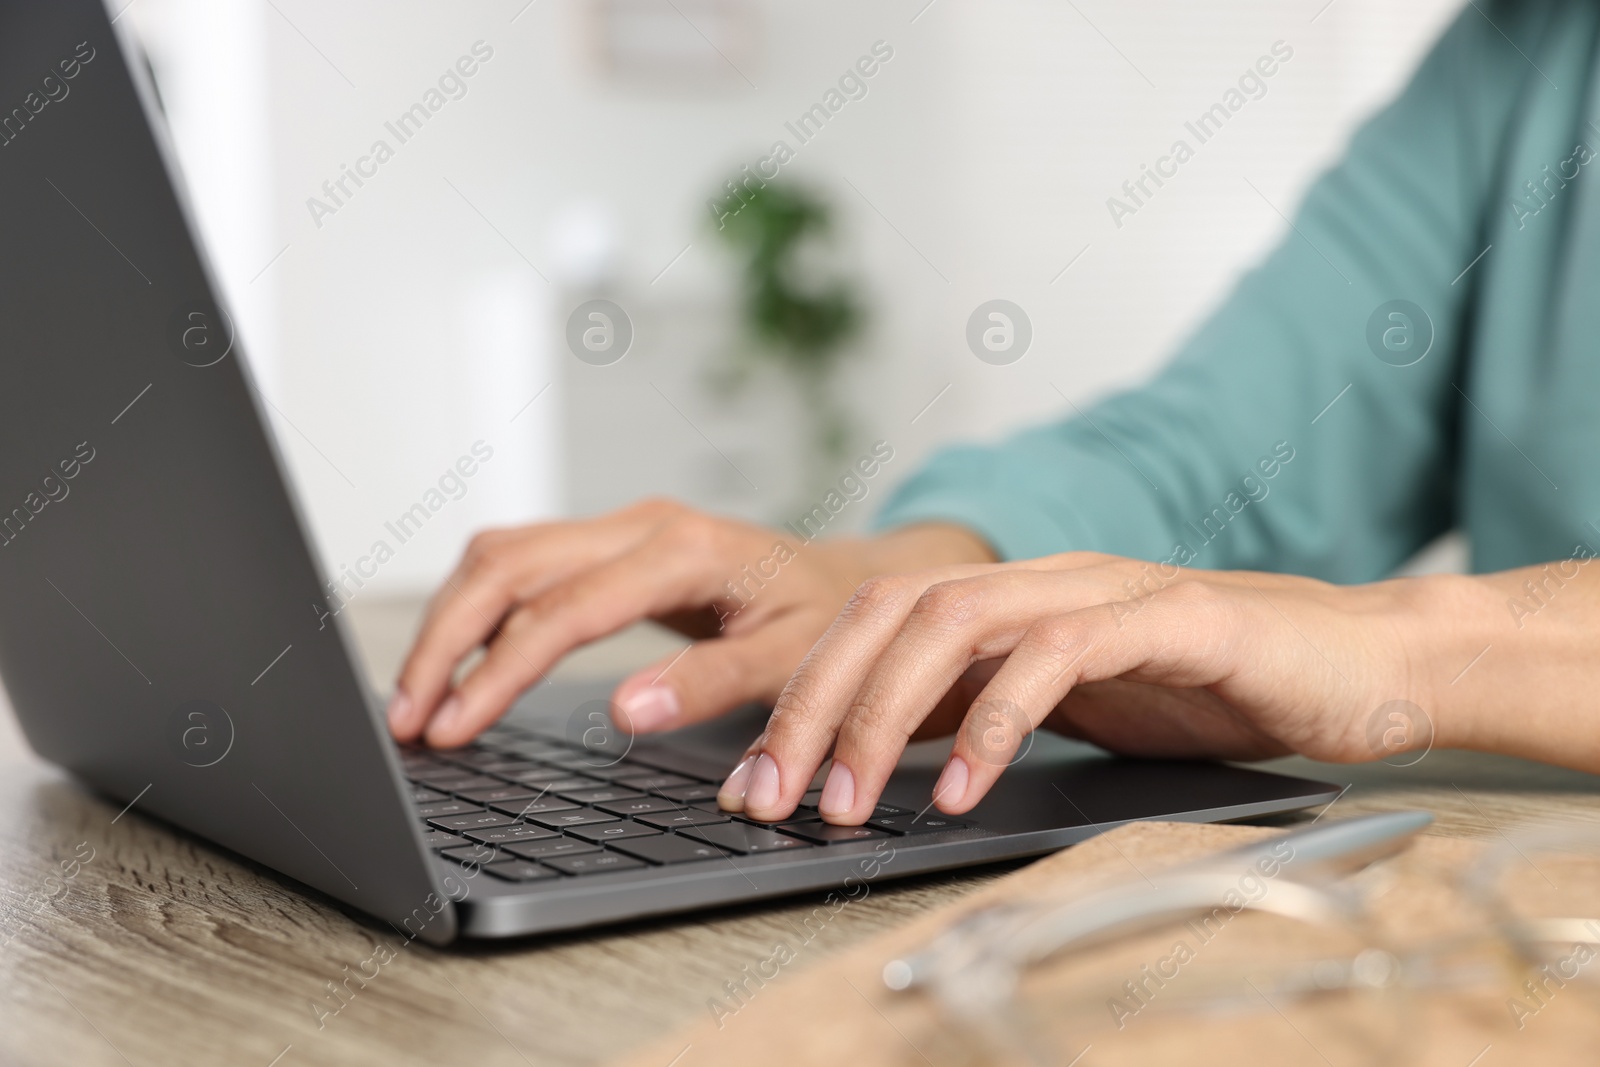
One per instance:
(581, 762)
(499, 793)
(533, 749)
(471, 855)
(908, 823)
(689, 794)
(416, 763)
(467, 757)
(556, 846)
(421, 794)
(507, 835)
(678, 820)
(482, 759)
(446, 807)
(828, 834)
(537, 775)
(506, 765)
(538, 790)
(566, 785)
(480, 820)
(610, 772)
(709, 805)
(669, 848)
(520, 871)
(454, 781)
(604, 793)
(561, 820)
(742, 837)
(659, 783)
(642, 806)
(441, 839)
(613, 831)
(593, 863)
(523, 808)
(667, 761)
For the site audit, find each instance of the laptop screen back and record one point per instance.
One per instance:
(161, 625)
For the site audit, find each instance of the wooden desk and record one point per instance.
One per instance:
(162, 950)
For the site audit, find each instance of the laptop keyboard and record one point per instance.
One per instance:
(526, 807)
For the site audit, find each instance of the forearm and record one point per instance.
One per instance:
(1507, 661)
(1277, 439)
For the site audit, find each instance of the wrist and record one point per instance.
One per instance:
(1452, 623)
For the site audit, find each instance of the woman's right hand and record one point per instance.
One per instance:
(754, 601)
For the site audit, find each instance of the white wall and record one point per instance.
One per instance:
(410, 325)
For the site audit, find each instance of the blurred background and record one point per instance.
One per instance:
(424, 306)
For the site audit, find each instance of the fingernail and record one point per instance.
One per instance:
(838, 792)
(952, 783)
(763, 791)
(399, 709)
(446, 717)
(651, 708)
(731, 795)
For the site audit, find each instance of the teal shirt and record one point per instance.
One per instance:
(1495, 431)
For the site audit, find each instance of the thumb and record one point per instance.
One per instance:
(709, 678)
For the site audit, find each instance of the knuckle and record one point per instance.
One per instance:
(1193, 594)
(948, 605)
(798, 723)
(1058, 641)
(567, 606)
(797, 703)
(656, 507)
(689, 532)
(868, 720)
(481, 546)
(1206, 617)
(491, 555)
(517, 623)
(875, 598)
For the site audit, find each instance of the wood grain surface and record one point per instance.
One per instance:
(1078, 1009)
(126, 942)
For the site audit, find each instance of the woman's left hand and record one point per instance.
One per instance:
(1139, 658)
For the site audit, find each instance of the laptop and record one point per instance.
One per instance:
(164, 635)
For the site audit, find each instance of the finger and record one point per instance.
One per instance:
(953, 625)
(813, 706)
(663, 574)
(806, 719)
(1182, 640)
(716, 675)
(808, 710)
(499, 568)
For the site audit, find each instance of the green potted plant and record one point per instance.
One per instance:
(794, 317)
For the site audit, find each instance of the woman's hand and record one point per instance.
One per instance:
(754, 599)
(1136, 657)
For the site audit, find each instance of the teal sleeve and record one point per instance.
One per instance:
(1184, 460)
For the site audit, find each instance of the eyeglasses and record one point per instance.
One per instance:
(1280, 968)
